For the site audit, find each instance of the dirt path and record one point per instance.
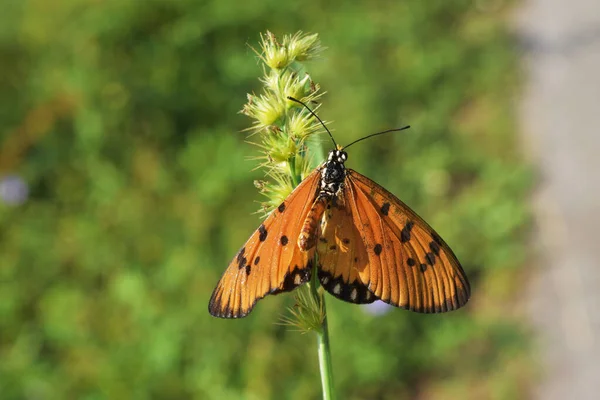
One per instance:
(561, 127)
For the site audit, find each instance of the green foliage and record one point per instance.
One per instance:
(123, 119)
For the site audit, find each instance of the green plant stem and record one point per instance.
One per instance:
(295, 177)
(325, 361)
(323, 348)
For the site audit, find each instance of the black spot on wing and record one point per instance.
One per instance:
(281, 207)
(405, 233)
(256, 260)
(333, 247)
(248, 269)
(346, 241)
(377, 249)
(430, 258)
(410, 261)
(283, 240)
(241, 260)
(262, 233)
(385, 208)
(423, 267)
(435, 248)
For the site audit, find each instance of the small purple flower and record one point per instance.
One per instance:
(13, 190)
(377, 308)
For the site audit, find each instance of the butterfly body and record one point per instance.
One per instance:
(333, 173)
(369, 244)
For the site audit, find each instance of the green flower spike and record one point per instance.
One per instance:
(282, 128)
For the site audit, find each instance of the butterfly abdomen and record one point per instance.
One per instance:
(308, 235)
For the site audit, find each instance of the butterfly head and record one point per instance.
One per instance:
(338, 155)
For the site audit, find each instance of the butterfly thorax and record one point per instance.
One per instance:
(333, 173)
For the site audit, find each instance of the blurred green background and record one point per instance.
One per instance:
(126, 189)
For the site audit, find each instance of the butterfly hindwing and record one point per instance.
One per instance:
(409, 265)
(342, 255)
(270, 262)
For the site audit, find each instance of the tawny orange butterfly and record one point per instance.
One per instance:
(370, 246)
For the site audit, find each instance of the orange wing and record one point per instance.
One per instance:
(388, 249)
(270, 262)
(342, 254)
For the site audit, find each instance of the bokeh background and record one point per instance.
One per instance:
(126, 188)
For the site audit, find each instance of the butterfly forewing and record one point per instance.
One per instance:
(410, 266)
(270, 261)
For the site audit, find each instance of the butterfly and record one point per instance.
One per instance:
(370, 246)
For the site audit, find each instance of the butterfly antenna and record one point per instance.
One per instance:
(375, 134)
(316, 116)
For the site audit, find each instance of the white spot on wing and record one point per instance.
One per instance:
(337, 289)
(354, 294)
